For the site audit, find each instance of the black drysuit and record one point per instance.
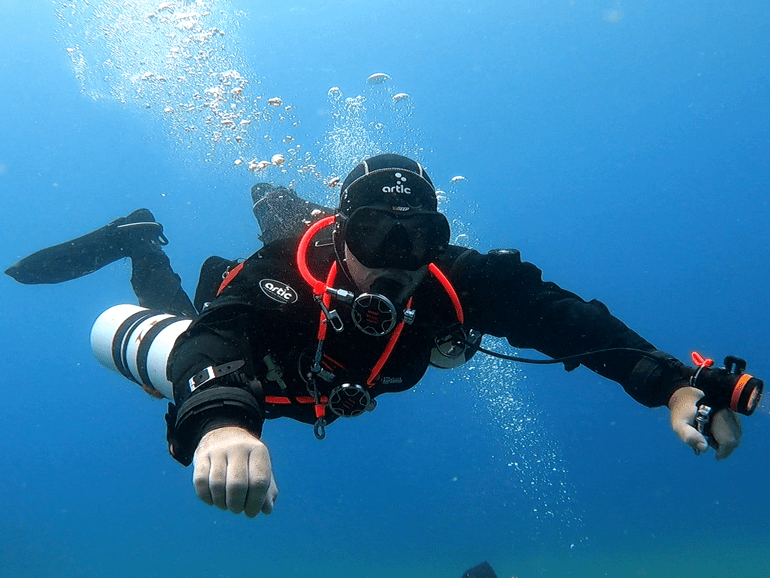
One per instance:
(267, 317)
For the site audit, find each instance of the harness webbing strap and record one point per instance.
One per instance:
(303, 399)
(232, 274)
(326, 300)
(388, 350)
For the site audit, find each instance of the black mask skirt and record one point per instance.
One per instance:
(379, 238)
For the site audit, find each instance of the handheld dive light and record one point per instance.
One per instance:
(728, 386)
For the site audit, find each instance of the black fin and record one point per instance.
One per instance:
(90, 252)
(211, 277)
(483, 570)
(281, 213)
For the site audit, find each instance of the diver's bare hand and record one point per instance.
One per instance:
(725, 424)
(232, 471)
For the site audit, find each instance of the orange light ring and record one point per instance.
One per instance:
(738, 390)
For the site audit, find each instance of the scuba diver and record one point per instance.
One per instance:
(341, 306)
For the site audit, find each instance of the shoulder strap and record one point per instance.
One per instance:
(231, 274)
(212, 272)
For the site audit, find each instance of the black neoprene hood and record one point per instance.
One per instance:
(388, 181)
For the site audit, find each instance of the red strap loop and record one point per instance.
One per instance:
(701, 361)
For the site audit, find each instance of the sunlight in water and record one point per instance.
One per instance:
(181, 64)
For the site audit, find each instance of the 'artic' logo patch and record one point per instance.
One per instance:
(278, 291)
(399, 188)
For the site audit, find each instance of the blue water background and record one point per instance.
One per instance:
(622, 147)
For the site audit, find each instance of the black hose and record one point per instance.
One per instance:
(576, 357)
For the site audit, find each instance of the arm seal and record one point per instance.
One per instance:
(206, 410)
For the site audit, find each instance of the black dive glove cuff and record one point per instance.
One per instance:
(655, 378)
(208, 410)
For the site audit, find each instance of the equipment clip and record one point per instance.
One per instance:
(703, 424)
(332, 317)
(319, 429)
